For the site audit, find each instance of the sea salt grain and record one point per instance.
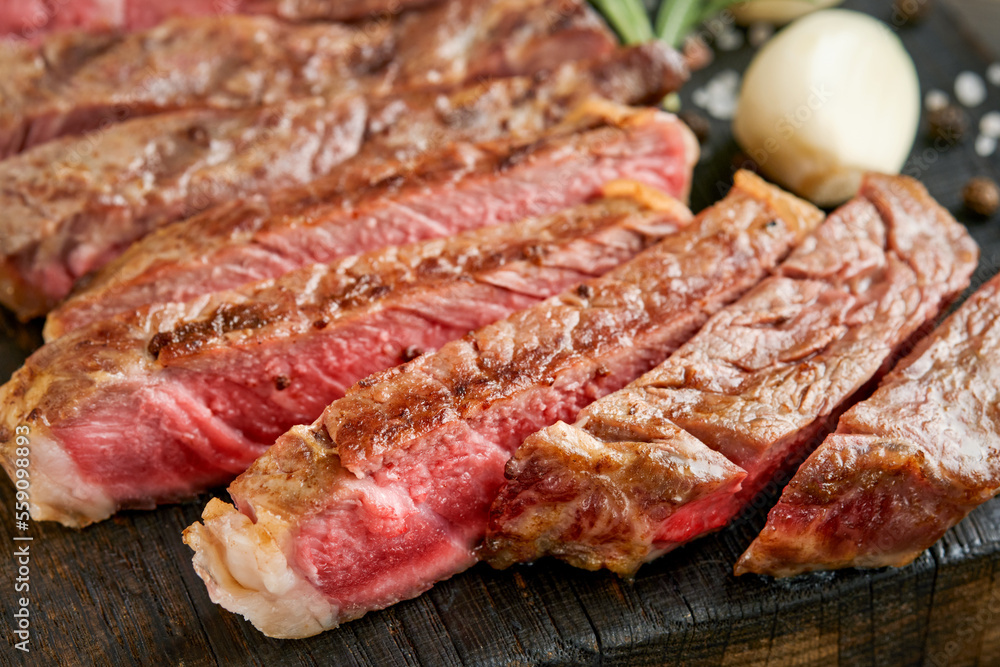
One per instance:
(989, 125)
(970, 89)
(993, 74)
(720, 95)
(935, 99)
(985, 146)
(729, 39)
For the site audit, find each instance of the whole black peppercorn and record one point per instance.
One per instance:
(981, 196)
(949, 124)
(910, 12)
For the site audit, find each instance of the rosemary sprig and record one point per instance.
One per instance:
(674, 21)
(628, 18)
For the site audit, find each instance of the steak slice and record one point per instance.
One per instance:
(388, 491)
(30, 19)
(231, 62)
(905, 465)
(172, 400)
(72, 204)
(460, 187)
(687, 446)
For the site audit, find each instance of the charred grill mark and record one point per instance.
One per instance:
(190, 337)
(366, 289)
(518, 155)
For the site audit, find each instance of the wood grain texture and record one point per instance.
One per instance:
(124, 593)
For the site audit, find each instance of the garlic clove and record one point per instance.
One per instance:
(831, 96)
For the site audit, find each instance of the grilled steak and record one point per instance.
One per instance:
(461, 187)
(687, 446)
(242, 61)
(72, 204)
(903, 466)
(31, 18)
(388, 491)
(170, 401)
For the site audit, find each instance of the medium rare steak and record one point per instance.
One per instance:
(903, 466)
(30, 19)
(70, 205)
(460, 187)
(388, 491)
(232, 62)
(171, 400)
(687, 446)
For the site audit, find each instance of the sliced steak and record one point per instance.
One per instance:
(460, 187)
(232, 62)
(167, 402)
(71, 205)
(30, 19)
(388, 491)
(687, 446)
(905, 465)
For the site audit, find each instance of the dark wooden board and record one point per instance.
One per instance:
(124, 593)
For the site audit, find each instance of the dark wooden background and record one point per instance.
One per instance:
(124, 592)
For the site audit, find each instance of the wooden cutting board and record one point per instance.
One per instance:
(124, 592)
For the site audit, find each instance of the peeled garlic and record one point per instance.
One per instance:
(833, 95)
(778, 12)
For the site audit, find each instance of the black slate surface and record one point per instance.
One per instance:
(124, 593)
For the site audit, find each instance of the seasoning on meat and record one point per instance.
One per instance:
(172, 400)
(388, 492)
(905, 465)
(687, 446)
(70, 205)
(460, 187)
(73, 83)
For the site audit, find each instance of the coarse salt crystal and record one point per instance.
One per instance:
(985, 146)
(729, 40)
(720, 96)
(970, 89)
(700, 97)
(993, 74)
(989, 125)
(935, 99)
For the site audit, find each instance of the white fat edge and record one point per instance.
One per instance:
(58, 490)
(245, 566)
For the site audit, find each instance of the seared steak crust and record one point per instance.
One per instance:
(72, 204)
(443, 192)
(905, 465)
(166, 402)
(388, 491)
(230, 62)
(30, 19)
(742, 399)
